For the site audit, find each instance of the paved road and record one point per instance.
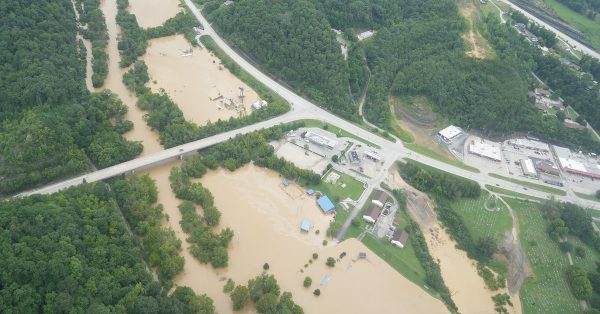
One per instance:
(301, 109)
(559, 34)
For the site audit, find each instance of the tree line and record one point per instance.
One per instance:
(71, 252)
(589, 8)
(265, 293)
(96, 32)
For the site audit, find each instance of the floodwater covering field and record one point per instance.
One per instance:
(114, 82)
(265, 218)
(152, 13)
(202, 88)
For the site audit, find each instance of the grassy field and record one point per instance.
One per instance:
(360, 225)
(481, 222)
(335, 130)
(336, 192)
(429, 153)
(532, 185)
(511, 193)
(589, 28)
(547, 291)
(589, 197)
(589, 261)
(402, 260)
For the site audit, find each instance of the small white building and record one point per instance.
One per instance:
(399, 238)
(528, 168)
(450, 133)
(259, 104)
(364, 35)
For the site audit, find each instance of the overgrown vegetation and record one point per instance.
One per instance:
(71, 252)
(96, 32)
(292, 40)
(265, 293)
(50, 126)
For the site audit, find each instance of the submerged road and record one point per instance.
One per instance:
(300, 109)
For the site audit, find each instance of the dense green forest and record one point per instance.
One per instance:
(50, 125)
(71, 252)
(292, 40)
(95, 30)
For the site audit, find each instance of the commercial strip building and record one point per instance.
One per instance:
(320, 140)
(575, 163)
(529, 144)
(485, 149)
(450, 133)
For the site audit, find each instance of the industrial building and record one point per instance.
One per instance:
(484, 149)
(320, 140)
(528, 168)
(529, 144)
(450, 133)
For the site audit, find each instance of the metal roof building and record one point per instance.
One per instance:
(325, 204)
(450, 133)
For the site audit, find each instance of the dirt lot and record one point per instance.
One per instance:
(478, 45)
(414, 115)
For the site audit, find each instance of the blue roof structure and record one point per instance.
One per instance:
(285, 182)
(325, 204)
(325, 280)
(310, 191)
(305, 226)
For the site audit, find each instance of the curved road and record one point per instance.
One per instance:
(300, 109)
(559, 34)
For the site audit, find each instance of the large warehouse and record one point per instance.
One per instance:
(485, 149)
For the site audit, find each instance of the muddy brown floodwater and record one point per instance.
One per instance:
(114, 82)
(468, 289)
(151, 13)
(265, 218)
(202, 88)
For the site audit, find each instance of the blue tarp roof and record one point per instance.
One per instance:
(325, 280)
(285, 182)
(310, 191)
(305, 226)
(325, 204)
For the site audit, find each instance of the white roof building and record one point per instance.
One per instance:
(485, 149)
(449, 133)
(320, 140)
(372, 155)
(528, 168)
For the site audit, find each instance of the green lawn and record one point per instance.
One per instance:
(547, 291)
(429, 153)
(360, 225)
(353, 188)
(589, 261)
(528, 184)
(479, 221)
(403, 260)
(511, 193)
(571, 113)
(336, 130)
(589, 28)
(589, 197)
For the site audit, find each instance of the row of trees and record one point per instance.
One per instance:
(589, 8)
(134, 39)
(136, 197)
(165, 117)
(265, 293)
(439, 183)
(96, 32)
(547, 38)
(71, 252)
(433, 274)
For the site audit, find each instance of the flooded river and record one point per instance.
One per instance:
(202, 88)
(265, 218)
(151, 13)
(114, 82)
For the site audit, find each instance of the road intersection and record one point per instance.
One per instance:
(300, 109)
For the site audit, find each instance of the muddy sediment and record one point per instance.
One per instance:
(266, 218)
(201, 87)
(152, 13)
